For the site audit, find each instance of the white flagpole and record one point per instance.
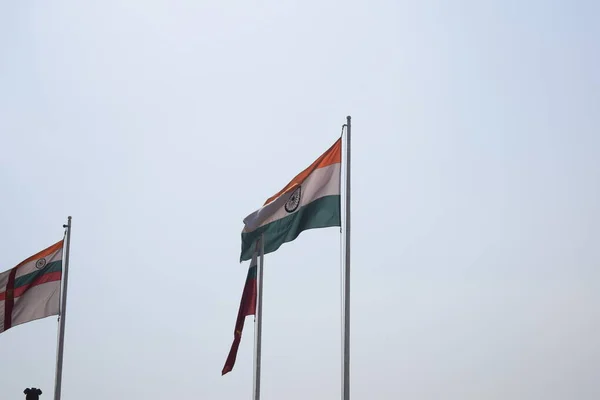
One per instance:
(346, 294)
(62, 317)
(258, 326)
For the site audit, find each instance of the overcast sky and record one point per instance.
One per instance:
(159, 125)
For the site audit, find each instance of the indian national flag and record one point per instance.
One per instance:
(311, 200)
(31, 290)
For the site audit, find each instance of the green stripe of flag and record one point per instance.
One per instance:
(54, 266)
(321, 213)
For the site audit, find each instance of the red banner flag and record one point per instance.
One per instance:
(247, 307)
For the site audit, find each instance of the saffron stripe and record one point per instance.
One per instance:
(46, 252)
(333, 155)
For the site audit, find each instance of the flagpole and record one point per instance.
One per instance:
(346, 294)
(258, 326)
(62, 317)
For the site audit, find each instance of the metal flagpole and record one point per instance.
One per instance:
(346, 301)
(258, 326)
(62, 317)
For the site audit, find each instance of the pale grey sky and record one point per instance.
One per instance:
(160, 125)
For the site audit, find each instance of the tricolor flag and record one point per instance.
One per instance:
(247, 307)
(31, 290)
(311, 200)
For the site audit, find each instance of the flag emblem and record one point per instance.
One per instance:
(41, 263)
(294, 201)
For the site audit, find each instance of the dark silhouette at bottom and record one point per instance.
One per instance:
(32, 393)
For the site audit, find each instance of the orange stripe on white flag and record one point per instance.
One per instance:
(44, 253)
(332, 156)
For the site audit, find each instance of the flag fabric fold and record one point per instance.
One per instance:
(247, 307)
(31, 290)
(310, 200)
